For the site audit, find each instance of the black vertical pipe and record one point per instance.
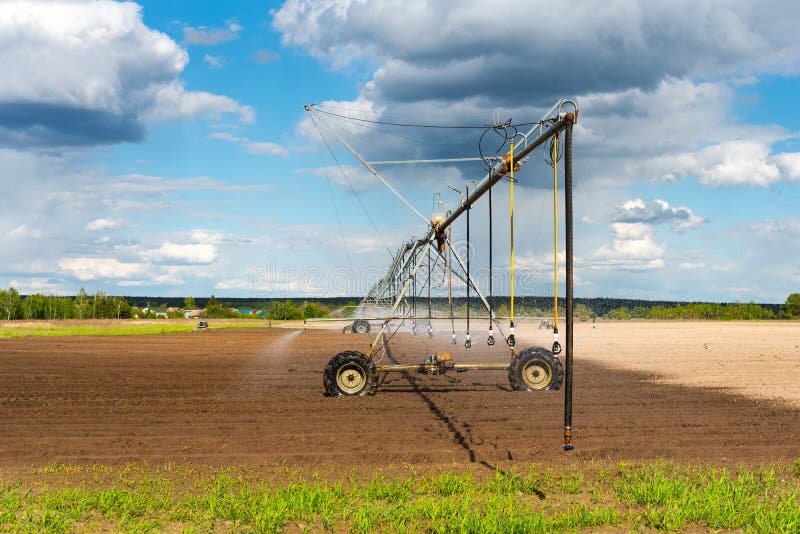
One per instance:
(568, 223)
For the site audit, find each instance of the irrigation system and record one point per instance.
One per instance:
(393, 300)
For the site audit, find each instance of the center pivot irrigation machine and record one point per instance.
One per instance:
(392, 301)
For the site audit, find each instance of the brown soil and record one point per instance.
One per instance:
(254, 397)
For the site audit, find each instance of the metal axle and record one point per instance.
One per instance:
(431, 367)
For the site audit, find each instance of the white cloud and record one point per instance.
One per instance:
(789, 163)
(692, 265)
(97, 67)
(233, 283)
(632, 249)
(105, 224)
(174, 253)
(98, 268)
(172, 101)
(266, 148)
(253, 147)
(31, 286)
(23, 231)
(207, 237)
(211, 36)
(732, 163)
(214, 62)
(658, 211)
(444, 50)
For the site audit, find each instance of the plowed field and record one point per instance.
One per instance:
(254, 397)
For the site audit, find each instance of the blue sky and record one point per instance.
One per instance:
(161, 148)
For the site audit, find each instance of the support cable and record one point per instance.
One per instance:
(371, 169)
(350, 185)
(406, 125)
(333, 201)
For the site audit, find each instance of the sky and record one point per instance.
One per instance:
(163, 149)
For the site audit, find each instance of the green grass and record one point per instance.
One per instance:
(655, 497)
(113, 328)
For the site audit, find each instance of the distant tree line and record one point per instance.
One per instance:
(101, 306)
(82, 306)
(711, 311)
(14, 306)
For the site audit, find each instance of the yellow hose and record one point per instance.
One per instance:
(555, 232)
(511, 214)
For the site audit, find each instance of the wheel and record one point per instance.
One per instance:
(361, 326)
(350, 373)
(535, 369)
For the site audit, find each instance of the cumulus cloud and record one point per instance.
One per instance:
(81, 73)
(438, 62)
(789, 164)
(98, 268)
(172, 101)
(211, 36)
(174, 253)
(733, 163)
(658, 211)
(444, 49)
(632, 249)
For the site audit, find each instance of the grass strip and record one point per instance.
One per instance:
(124, 328)
(660, 496)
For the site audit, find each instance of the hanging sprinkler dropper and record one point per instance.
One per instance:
(511, 338)
(554, 147)
(468, 341)
(490, 338)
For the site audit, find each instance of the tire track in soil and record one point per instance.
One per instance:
(437, 412)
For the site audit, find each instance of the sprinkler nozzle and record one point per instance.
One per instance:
(568, 446)
(454, 339)
(430, 330)
(556, 344)
(468, 342)
(490, 339)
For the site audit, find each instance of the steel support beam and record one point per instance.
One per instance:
(499, 171)
(471, 281)
(397, 302)
(569, 282)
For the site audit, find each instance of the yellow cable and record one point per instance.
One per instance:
(555, 232)
(511, 213)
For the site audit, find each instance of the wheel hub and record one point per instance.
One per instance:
(537, 375)
(351, 379)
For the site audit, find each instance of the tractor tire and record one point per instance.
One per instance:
(360, 326)
(350, 374)
(535, 369)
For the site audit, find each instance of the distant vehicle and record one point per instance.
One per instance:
(202, 325)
